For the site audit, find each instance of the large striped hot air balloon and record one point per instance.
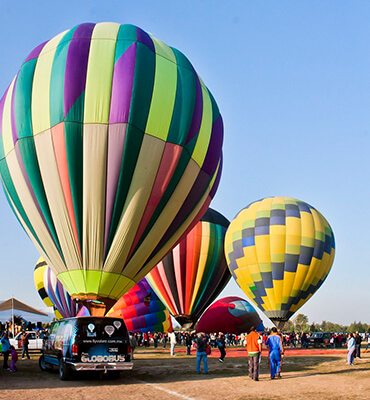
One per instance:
(53, 291)
(142, 310)
(279, 250)
(194, 273)
(110, 150)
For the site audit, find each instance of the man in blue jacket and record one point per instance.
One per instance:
(276, 352)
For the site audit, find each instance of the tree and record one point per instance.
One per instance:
(301, 323)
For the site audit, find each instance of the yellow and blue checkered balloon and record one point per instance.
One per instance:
(279, 250)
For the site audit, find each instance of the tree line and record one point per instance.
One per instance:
(300, 323)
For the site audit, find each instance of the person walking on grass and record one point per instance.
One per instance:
(276, 353)
(254, 349)
(351, 346)
(201, 343)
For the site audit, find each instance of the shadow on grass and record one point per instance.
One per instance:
(161, 368)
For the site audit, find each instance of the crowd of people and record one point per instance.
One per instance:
(274, 341)
(203, 344)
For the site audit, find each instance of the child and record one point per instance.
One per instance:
(14, 359)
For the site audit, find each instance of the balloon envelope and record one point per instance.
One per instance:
(193, 274)
(110, 150)
(142, 310)
(229, 315)
(60, 299)
(279, 250)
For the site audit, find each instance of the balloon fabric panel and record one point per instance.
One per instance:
(120, 154)
(280, 251)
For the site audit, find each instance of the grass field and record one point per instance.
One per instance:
(157, 375)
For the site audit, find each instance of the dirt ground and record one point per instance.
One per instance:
(157, 375)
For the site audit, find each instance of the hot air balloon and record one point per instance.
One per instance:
(279, 250)
(229, 315)
(142, 310)
(38, 276)
(58, 297)
(194, 273)
(110, 151)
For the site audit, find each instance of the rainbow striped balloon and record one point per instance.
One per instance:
(142, 310)
(194, 273)
(110, 150)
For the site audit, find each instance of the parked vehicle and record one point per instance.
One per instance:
(34, 340)
(319, 339)
(87, 344)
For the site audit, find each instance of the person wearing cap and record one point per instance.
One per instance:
(276, 352)
(254, 349)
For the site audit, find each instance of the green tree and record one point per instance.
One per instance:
(301, 323)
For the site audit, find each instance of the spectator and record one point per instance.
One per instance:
(254, 349)
(24, 340)
(201, 343)
(351, 346)
(14, 358)
(276, 353)
(6, 349)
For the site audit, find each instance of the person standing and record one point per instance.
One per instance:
(25, 342)
(188, 343)
(351, 346)
(221, 342)
(201, 343)
(172, 342)
(6, 349)
(254, 349)
(14, 359)
(276, 353)
(358, 340)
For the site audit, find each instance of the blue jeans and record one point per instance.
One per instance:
(25, 351)
(202, 355)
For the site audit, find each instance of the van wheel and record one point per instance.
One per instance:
(44, 366)
(63, 370)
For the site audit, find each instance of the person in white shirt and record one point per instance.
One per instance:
(173, 342)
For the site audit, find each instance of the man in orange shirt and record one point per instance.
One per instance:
(254, 348)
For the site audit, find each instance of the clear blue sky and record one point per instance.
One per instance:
(292, 81)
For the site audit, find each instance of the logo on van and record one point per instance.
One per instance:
(109, 329)
(111, 358)
(117, 324)
(91, 327)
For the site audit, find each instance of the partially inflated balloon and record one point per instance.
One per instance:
(229, 315)
(142, 310)
(60, 299)
(279, 250)
(38, 276)
(110, 150)
(194, 273)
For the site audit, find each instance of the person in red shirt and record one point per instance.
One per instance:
(254, 349)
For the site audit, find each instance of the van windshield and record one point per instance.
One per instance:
(102, 328)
